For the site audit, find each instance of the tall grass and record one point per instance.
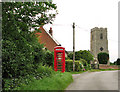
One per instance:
(58, 81)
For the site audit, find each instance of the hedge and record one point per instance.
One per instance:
(69, 65)
(79, 65)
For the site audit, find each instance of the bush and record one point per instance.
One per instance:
(21, 55)
(17, 58)
(69, 65)
(117, 62)
(43, 71)
(77, 66)
(86, 68)
(40, 73)
(21, 52)
(84, 62)
(95, 66)
(58, 82)
(103, 57)
(49, 58)
(38, 53)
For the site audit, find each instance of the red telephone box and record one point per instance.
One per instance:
(59, 59)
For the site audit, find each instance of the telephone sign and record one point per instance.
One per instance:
(59, 59)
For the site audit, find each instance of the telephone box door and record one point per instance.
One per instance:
(59, 59)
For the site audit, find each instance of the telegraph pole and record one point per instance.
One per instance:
(73, 46)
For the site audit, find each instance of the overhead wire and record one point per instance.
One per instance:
(89, 31)
(61, 24)
(82, 30)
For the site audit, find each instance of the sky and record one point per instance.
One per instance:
(86, 14)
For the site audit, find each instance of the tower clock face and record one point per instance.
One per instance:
(101, 49)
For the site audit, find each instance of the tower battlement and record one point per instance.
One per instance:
(98, 29)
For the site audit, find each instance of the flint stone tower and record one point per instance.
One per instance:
(99, 41)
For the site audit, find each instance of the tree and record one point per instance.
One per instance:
(19, 17)
(70, 55)
(117, 62)
(84, 54)
(26, 15)
(103, 57)
(21, 51)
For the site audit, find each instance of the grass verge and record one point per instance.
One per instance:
(77, 72)
(98, 70)
(93, 70)
(58, 81)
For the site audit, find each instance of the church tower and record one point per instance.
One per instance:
(99, 41)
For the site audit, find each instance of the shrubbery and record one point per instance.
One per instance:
(21, 52)
(40, 72)
(20, 61)
(58, 81)
(103, 57)
(21, 56)
(84, 62)
(79, 65)
(49, 58)
(17, 58)
(69, 65)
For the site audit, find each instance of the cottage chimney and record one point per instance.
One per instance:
(50, 31)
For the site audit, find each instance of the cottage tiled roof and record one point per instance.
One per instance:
(46, 38)
(51, 36)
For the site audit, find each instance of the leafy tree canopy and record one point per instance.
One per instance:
(70, 55)
(21, 51)
(22, 16)
(82, 54)
(117, 62)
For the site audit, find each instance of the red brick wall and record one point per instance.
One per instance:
(45, 39)
(103, 66)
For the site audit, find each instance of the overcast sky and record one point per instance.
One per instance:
(86, 14)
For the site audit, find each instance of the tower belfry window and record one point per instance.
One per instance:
(101, 36)
(92, 37)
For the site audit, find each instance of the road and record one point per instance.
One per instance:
(104, 80)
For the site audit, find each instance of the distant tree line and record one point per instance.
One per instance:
(82, 54)
(117, 62)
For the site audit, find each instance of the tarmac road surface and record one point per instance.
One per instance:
(104, 80)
